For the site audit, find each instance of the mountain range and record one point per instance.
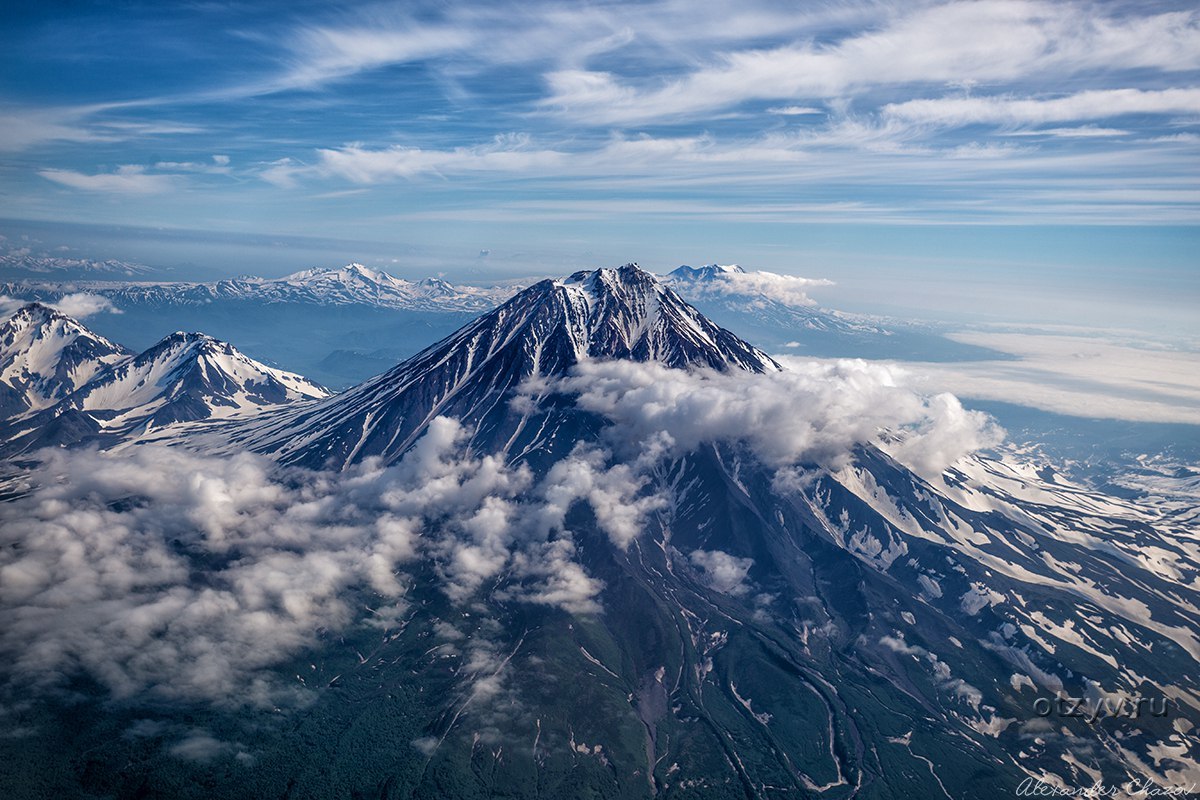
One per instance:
(17, 263)
(342, 325)
(350, 285)
(685, 572)
(338, 326)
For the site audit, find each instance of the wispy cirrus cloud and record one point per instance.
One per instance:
(26, 127)
(850, 158)
(864, 111)
(1095, 104)
(30, 126)
(794, 111)
(319, 55)
(128, 179)
(989, 41)
(505, 154)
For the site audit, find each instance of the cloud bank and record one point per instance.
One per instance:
(173, 575)
(810, 413)
(166, 574)
(1073, 375)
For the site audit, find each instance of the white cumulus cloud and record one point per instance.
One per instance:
(723, 572)
(84, 304)
(168, 574)
(811, 412)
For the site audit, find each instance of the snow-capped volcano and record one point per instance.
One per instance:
(777, 311)
(623, 313)
(46, 355)
(936, 608)
(707, 272)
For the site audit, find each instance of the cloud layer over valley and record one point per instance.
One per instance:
(168, 574)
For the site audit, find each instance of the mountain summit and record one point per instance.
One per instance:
(706, 273)
(68, 385)
(621, 313)
(188, 376)
(45, 355)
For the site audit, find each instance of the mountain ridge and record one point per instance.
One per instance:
(45, 355)
(107, 389)
(352, 284)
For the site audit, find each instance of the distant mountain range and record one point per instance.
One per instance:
(343, 325)
(351, 285)
(741, 602)
(19, 264)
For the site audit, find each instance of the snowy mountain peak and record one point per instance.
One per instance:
(349, 274)
(195, 341)
(626, 312)
(436, 287)
(186, 377)
(474, 375)
(45, 355)
(33, 313)
(707, 272)
(630, 275)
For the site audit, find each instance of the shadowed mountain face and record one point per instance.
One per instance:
(646, 616)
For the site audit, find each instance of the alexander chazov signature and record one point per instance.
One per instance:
(1035, 787)
(1102, 708)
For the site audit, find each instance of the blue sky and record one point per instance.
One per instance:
(969, 157)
